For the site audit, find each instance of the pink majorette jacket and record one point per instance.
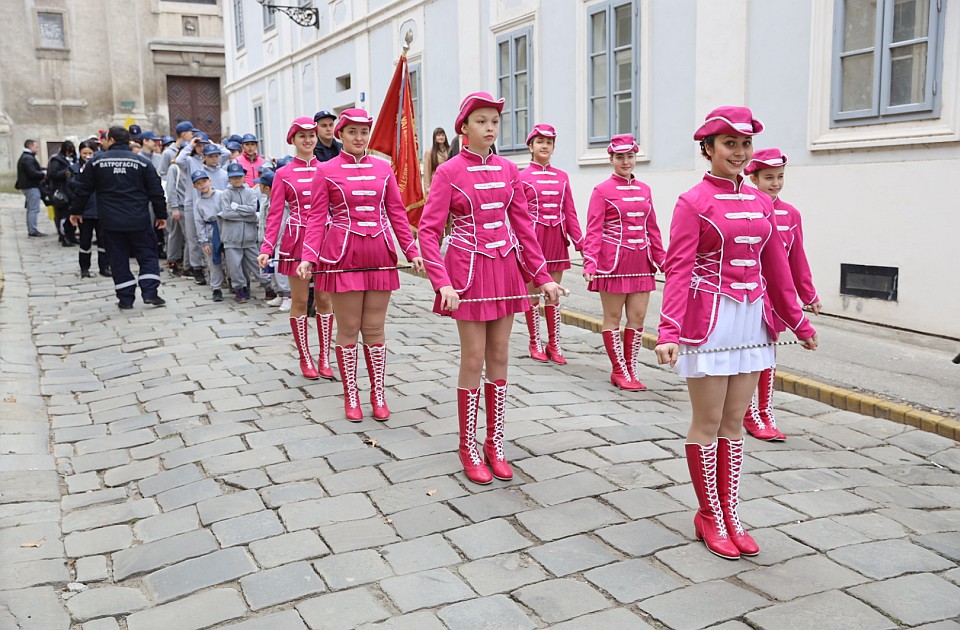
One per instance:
(550, 200)
(364, 201)
(791, 231)
(480, 194)
(291, 185)
(620, 216)
(720, 245)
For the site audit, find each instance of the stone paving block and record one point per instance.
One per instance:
(426, 589)
(875, 526)
(832, 610)
(151, 556)
(487, 539)
(776, 547)
(633, 580)
(642, 502)
(827, 503)
(898, 496)
(800, 577)
(191, 613)
(105, 623)
(286, 435)
(167, 524)
(357, 480)
(366, 456)
(278, 495)
(318, 512)
(352, 535)
(946, 544)
(425, 520)
(564, 489)
(634, 452)
(115, 442)
(354, 568)
(33, 573)
(559, 442)
(199, 573)
(189, 494)
(76, 434)
(169, 480)
(102, 516)
(913, 599)
(921, 443)
(86, 499)
(545, 467)
(500, 574)
(422, 620)
(701, 605)
(91, 569)
(422, 467)
(244, 529)
(342, 611)
(95, 461)
(323, 446)
(37, 608)
(192, 454)
(215, 432)
(228, 506)
(416, 493)
(567, 519)
(695, 563)
(486, 613)
(106, 601)
(924, 521)
(767, 513)
(616, 619)
(639, 538)
(572, 555)
(302, 545)
(285, 620)
(247, 479)
(298, 471)
(96, 541)
(492, 504)
(633, 475)
(82, 483)
(428, 552)
(561, 599)
(889, 558)
(583, 458)
(255, 458)
(824, 534)
(282, 584)
(416, 448)
(123, 475)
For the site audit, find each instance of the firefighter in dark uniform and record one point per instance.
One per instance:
(126, 185)
(328, 147)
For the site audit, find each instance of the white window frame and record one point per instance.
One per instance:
(593, 150)
(269, 19)
(238, 33)
(415, 72)
(258, 129)
(518, 134)
(824, 134)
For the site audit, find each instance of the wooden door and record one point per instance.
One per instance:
(196, 99)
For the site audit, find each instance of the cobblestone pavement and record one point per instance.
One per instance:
(167, 469)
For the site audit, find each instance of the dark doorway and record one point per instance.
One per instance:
(196, 99)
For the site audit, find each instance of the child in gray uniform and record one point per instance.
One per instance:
(205, 210)
(238, 232)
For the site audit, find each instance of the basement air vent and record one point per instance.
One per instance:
(869, 281)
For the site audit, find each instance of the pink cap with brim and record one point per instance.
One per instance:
(303, 123)
(765, 158)
(734, 121)
(624, 143)
(352, 117)
(541, 129)
(472, 102)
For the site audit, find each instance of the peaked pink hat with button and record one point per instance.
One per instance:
(303, 123)
(765, 158)
(734, 121)
(624, 143)
(472, 102)
(541, 129)
(352, 117)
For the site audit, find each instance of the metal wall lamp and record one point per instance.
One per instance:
(304, 16)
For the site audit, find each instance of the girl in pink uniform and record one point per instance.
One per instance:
(492, 253)
(766, 171)
(291, 185)
(728, 281)
(621, 251)
(550, 204)
(355, 254)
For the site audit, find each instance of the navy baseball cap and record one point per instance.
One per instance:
(233, 145)
(149, 135)
(235, 137)
(324, 113)
(265, 179)
(211, 149)
(284, 160)
(167, 140)
(248, 137)
(203, 136)
(135, 132)
(235, 170)
(185, 126)
(198, 175)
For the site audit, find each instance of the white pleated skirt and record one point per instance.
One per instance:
(738, 324)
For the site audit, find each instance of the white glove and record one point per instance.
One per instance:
(234, 205)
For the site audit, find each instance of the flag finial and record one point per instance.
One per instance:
(407, 38)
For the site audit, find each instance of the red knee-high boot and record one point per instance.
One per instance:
(496, 398)
(620, 376)
(533, 327)
(468, 405)
(708, 522)
(765, 396)
(325, 332)
(754, 422)
(376, 357)
(729, 463)
(552, 313)
(347, 360)
(632, 344)
(298, 325)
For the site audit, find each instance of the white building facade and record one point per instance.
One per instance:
(862, 95)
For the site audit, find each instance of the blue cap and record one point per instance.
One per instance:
(149, 135)
(284, 160)
(203, 136)
(198, 175)
(248, 137)
(235, 138)
(233, 145)
(324, 113)
(135, 131)
(265, 179)
(167, 140)
(235, 170)
(184, 126)
(211, 149)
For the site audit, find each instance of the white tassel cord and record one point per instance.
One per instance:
(749, 347)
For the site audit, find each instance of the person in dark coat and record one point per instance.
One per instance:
(126, 186)
(58, 176)
(29, 176)
(90, 225)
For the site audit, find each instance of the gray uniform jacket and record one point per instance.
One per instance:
(205, 215)
(238, 217)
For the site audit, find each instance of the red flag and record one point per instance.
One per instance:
(395, 136)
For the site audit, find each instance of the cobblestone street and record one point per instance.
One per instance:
(169, 469)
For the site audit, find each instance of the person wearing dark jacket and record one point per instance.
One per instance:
(58, 175)
(126, 186)
(29, 176)
(328, 147)
(90, 225)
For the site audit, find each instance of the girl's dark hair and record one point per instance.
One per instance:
(87, 144)
(67, 148)
(709, 140)
(436, 147)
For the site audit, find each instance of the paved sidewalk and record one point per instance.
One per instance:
(171, 466)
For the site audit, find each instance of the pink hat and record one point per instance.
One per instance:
(624, 143)
(541, 129)
(765, 158)
(735, 121)
(352, 117)
(472, 102)
(303, 123)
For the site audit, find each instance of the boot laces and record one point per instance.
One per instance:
(499, 402)
(350, 378)
(755, 416)
(708, 465)
(769, 406)
(618, 351)
(302, 346)
(555, 338)
(635, 344)
(378, 361)
(537, 339)
(473, 404)
(735, 459)
(326, 330)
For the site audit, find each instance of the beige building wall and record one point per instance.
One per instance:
(108, 64)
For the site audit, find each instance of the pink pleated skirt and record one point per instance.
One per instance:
(555, 247)
(631, 262)
(290, 248)
(492, 277)
(361, 252)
